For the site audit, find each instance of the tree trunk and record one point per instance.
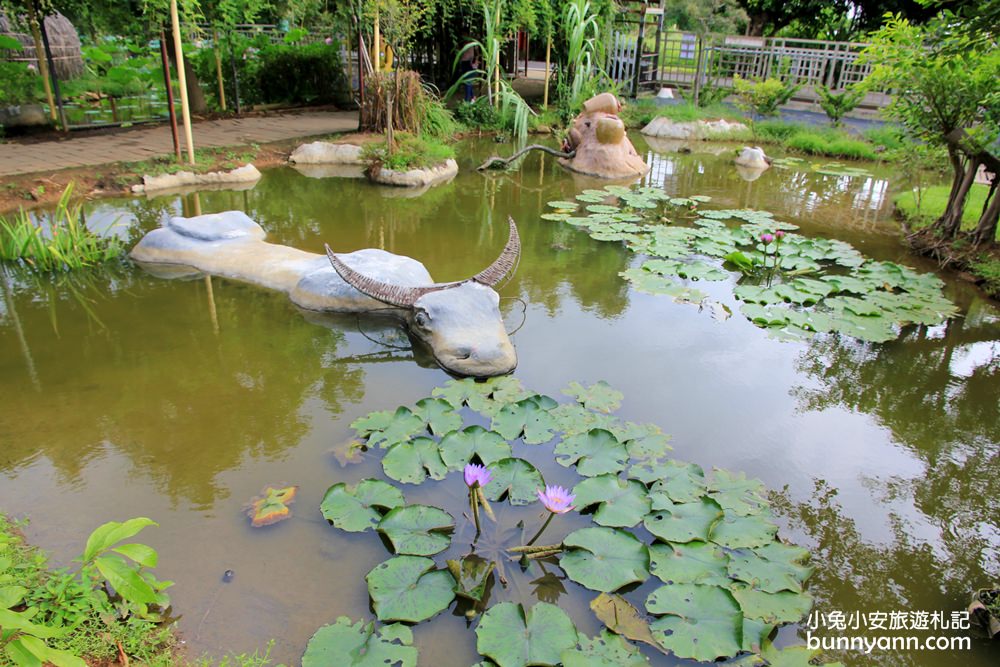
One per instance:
(950, 222)
(986, 229)
(755, 28)
(196, 98)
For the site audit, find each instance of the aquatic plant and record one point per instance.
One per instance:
(792, 285)
(727, 579)
(271, 506)
(64, 244)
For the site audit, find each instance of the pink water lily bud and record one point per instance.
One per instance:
(766, 238)
(556, 499)
(477, 475)
(779, 235)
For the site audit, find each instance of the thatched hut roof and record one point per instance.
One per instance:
(63, 41)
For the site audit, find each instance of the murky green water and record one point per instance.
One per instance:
(127, 395)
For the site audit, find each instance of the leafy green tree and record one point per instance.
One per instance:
(946, 86)
(838, 105)
(705, 16)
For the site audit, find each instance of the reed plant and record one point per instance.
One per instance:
(64, 244)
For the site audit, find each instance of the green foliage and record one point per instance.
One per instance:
(988, 269)
(63, 244)
(921, 208)
(838, 105)
(762, 98)
(584, 51)
(640, 112)
(411, 152)
(61, 616)
(360, 645)
(17, 84)
(513, 636)
(478, 114)
(410, 589)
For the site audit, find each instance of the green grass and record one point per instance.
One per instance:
(206, 159)
(66, 245)
(931, 205)
(638, 113)
(411, 152)
(805, 139)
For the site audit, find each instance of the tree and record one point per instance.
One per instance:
(705, 16)
(946, 85)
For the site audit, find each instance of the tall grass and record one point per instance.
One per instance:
(584, 51)
(64, 245)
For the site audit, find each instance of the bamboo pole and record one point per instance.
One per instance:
(170, 96)
(52, 75)
(43, 63)
(548, 60)
(377, 44)
(175, 24)
(218, 69)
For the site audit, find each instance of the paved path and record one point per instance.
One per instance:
(144, 143)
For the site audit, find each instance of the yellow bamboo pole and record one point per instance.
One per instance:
(43, 64)
(218, 69)
(377, 44)
(548, 59)
(175, 23)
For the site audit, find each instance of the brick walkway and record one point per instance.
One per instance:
(144, 143)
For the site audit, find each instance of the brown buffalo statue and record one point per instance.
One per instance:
(599, 144)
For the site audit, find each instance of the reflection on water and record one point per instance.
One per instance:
(129, 395)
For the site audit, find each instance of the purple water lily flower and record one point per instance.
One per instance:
(779, 235)
(556, 499)
(477, 475)
(766, 238)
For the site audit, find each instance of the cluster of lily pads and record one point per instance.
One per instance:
(726, 580)
(794, 286)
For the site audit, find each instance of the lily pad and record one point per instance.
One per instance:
(564, 205)
(736, 494)
(413, 461)
(605, 650)
(699, 622)
(439, 415)
(271, 506)
(357, 508)
(604, 559)
(772, 568)
(654, 283)
(599, 396)
(737, 532)
(515, 478)
(472, 576)
(684, 522)
(554, 217)
(408, 588)
(458, 447)
(621, 617)
(621, 503)
(675, 481)
(419, 530)
(692, 563)
(651, 446)
(348, 644)
(775, 608)
(529, 417)
(514, 637)
(595, 452)
(403, 426)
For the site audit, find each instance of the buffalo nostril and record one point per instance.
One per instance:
(463, 353)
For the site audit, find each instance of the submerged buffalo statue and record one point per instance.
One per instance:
(460, 321)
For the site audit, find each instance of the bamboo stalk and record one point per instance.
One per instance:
(548, 60)
(218, 69)
(43, 64)
(175, 24)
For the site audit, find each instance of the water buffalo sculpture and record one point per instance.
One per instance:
(459, 321)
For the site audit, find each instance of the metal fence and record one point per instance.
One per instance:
(691, 62)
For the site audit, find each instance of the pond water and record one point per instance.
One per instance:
(126, 395)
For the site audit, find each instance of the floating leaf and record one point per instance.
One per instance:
(621, 503)
(595, 453)
(356, 508)
(784, 573)
(419, 530)
(600, 208)
(359, 645)
(604, 559)
(529, 417)
(515, 478)
(408, 588)
(439, 415)
(653, 283)
(458, 447)
(684, 522)
(373, 422)
(776, 608)
(349, 451)
(472, 575)
(599, 396)
(555, 217)
(692, 563)
(606, 650)
(652, 447)
(514, 637)
(672, 481)
(699, 622)
(564, 205)
(403, 426)
(271, 506)
(736, 494)
(573, 418)
(621, 617)
(412, 462)
(736, 532)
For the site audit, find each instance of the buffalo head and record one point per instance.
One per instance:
(459, 321)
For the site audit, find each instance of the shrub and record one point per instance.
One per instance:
(888, 136)
(762, 97)
(838, 105)
(410, 152)
(17, 84)
(478, 114)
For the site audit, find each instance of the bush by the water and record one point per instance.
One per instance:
(410, 152)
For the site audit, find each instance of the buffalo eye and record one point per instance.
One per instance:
(422, 319)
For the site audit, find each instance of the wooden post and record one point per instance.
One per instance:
(236, 78)
(548, 59)
(218, 69)
(175, 24)
(170, 95)
(43, 63)
(700, 45)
